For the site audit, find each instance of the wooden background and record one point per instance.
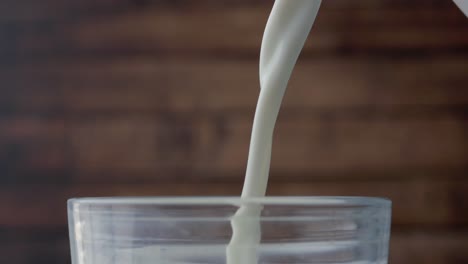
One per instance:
(156, 97)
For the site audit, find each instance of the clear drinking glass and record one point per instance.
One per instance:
(154, 230)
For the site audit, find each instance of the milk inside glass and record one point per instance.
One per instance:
(196, 230)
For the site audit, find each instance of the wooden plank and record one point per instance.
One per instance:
(333, 31)
(406, 248)
(42, 249)
(31, 147)
(59, 10)
(25, 253)
(210, 146)
(196, 85)
(429, 247)
(415, 202)
(31, 11)
(303, 145)
(175, 32)
(32, 90)
(185, 146)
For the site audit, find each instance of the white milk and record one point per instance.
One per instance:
(285, 33)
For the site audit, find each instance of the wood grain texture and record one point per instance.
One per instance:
(30, 10)
(428, 247)
(302, 144)
(156, 97)
(163, 30)
(215, 147)
(330, 84)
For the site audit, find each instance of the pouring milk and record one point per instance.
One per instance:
(286, 31)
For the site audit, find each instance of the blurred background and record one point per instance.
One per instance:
(156, 97)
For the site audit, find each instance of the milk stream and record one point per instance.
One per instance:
(463, 5)
(286, 31)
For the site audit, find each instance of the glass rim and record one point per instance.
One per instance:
(312, 201)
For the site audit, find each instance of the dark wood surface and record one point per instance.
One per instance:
(156, 97)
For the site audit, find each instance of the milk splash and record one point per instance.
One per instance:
(286, 31)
